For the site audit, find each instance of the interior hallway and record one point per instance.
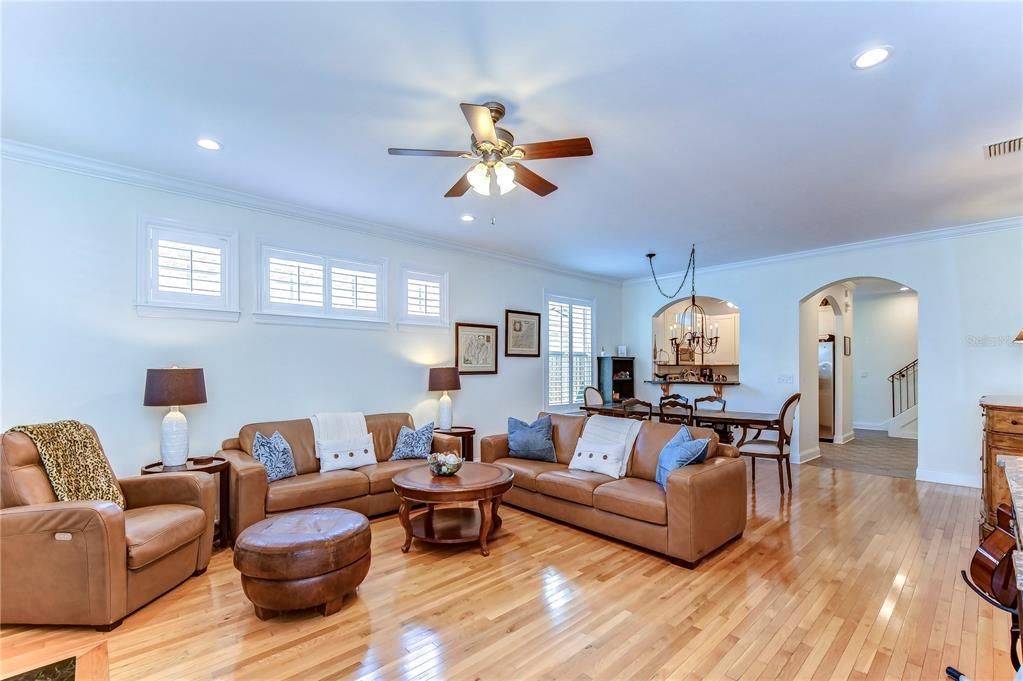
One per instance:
(872, 451)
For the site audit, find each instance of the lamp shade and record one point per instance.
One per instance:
(445, 378)
(174, 387)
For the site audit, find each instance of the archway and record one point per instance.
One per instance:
(857, 376)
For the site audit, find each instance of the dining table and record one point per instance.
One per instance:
(722, 421)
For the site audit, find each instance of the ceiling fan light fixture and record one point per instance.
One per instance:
(479, 179)
(505, 177)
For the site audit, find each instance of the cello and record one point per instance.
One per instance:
(992, 575)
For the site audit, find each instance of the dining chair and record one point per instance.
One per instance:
(592, 397)
(632, 407)
(709, 398)
(774, 443)
(676, 412)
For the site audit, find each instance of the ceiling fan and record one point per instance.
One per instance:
(497, 169)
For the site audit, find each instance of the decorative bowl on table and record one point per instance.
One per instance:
(444, 463)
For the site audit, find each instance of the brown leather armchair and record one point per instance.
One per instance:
(89, 562)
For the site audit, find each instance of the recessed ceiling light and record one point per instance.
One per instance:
(872, 57)
(904, 288)
(208, 144)
(468, 218)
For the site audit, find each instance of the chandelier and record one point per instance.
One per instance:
(696, 332)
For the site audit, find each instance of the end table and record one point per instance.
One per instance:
(465, 433)
(210, 465)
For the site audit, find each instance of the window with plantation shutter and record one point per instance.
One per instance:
(294, 284)
(425, 297)
(184, 271)
(569, 366)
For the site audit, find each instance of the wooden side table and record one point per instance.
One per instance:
(465, 433)
(211, 465)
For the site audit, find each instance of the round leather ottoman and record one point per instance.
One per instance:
(303, 559)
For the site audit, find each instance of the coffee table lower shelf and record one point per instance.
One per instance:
(450, 525)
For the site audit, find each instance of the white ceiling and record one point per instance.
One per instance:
(738, 126)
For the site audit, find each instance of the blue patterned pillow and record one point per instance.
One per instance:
(413, 444)
(274, 453)
(680, 451)
(531, 440)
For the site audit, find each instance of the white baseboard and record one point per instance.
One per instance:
(844, 438)
(871, 425)
(946, 478)
(807, 455)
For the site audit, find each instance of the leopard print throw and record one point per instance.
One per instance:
(74, 462)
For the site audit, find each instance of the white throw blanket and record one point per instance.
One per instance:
(338, 426)
(612, 430)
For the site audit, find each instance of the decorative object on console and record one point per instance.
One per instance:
(495, 153)
(531, 440)
(623, 350)
(444, 379)
(444, 463)
(476, 348)
(174, 388)
(413, 444)
(74, 462)
(274, 453)
(346, 454)
(521, 334)
(696, 331)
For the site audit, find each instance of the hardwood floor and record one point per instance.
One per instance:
(853, 576)
(871, 451)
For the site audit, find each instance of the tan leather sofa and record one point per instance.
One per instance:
(367, 490)
(704, 506)
(89, 562)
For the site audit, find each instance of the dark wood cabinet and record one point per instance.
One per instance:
(616, 375)
(1003, 437)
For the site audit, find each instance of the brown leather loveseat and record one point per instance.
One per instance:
(704, 506)
(89, 562)
(367, 489)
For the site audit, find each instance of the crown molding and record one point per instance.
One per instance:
(105, 170)
(1001, 224)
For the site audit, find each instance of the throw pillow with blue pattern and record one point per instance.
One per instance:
(531, 440)
(413, 444)
(274, 453)
(680, 451)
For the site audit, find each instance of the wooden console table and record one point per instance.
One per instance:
(1003, 439)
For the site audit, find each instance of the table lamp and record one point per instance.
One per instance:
(445, 379)
(174, 388)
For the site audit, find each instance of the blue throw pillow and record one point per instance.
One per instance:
(413, 444)
(531, 440)
(274, 453)
(680, 451)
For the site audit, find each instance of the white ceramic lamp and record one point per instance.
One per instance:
(174, 388)
(444, 379)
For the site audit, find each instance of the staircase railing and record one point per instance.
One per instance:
(903, 384)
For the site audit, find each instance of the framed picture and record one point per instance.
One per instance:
(476, 348)
(521, 334)
(846, 346)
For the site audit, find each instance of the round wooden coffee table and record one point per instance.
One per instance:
(483, 483)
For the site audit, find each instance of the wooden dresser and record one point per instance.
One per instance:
(1003, 436)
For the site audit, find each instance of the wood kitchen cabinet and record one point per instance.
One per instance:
(1003, 436)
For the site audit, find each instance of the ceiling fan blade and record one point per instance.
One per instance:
(577, 146)
(480, 121)
(459, 188)
(531, 181)
(423, 152)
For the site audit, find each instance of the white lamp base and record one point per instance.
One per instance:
(444, 412)
(174, 438)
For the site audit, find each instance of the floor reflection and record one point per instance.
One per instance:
(558, 592)
(422, 652)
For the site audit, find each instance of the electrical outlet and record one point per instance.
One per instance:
(786, 379)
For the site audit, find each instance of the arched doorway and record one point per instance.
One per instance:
(857, 376)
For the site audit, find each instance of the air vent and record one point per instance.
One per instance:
(1005, 147)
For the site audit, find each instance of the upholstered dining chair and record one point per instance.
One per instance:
(592, 397)
(676, 411)
(92, 562)
(771, 443)
(633, 409)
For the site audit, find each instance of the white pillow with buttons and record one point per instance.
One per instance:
(346, 454)
(598, 457)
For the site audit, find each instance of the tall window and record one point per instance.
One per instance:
(569, 350)
(186, 269)
(425, 297)
(309, 285)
